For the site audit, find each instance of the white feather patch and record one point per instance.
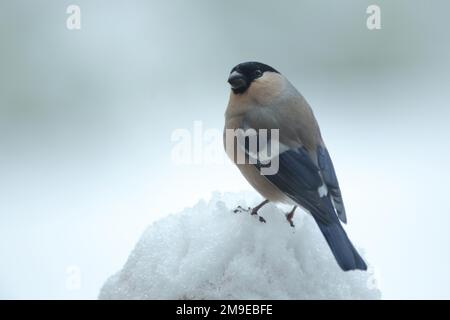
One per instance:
(322, 190)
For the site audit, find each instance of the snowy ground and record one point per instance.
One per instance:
(208, 252)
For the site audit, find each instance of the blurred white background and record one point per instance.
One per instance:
(86, 119)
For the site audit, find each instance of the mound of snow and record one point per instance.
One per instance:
(209, 252)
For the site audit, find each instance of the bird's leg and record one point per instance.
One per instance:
(259, 206)
(290, 216)
(253, 211)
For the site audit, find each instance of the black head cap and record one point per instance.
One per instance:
(242, 75)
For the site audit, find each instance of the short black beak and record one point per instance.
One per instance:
(237, 81)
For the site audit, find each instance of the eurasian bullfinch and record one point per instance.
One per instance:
(262, 98)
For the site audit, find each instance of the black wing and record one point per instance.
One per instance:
(299, 178)
(330, 179)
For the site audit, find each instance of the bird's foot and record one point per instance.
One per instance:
(253, 212)
(290, 217)
(240, 209)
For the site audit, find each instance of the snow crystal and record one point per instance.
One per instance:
(209, 252)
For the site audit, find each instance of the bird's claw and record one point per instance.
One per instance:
(253, 212)
(240, 209)
(289, 217)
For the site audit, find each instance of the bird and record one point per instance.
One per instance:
(261, 98)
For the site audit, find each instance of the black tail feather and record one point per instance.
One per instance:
(346, 255)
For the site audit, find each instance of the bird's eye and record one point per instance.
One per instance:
(258, 73)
